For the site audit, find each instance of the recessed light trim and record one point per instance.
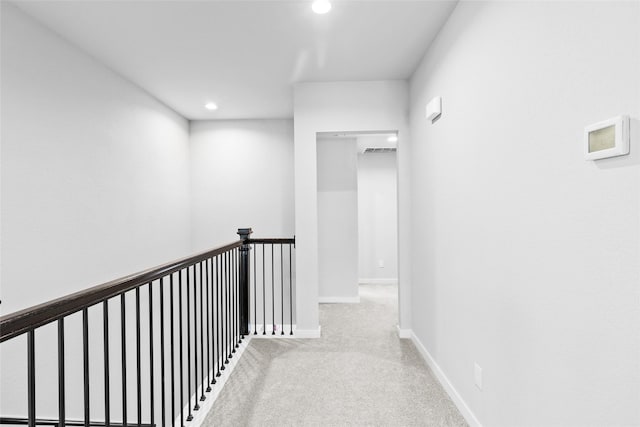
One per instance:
(211, 106)
(321, 6)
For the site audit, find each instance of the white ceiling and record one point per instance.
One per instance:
(245, 55)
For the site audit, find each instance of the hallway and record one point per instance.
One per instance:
(358, 373)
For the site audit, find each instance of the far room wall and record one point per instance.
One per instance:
(337, 219)
(377, 218)
(241, 176)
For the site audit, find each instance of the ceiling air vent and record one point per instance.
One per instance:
(380, 150)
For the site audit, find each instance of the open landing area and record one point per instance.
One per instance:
(358, 373)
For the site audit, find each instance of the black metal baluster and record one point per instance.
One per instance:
(151, 381)
(255, 294)
(273, 294)
(181, 347)
(105, 326)
(189, 416)
(138, 360)
(209, 319)
(202, 396)
(230, 314)
(195, 337)
(238, 298)
(264, 295)
(225, 330)
(171, 358)
(290, 291)
(232, 288)
(123, 338)
(61, 379)
(220, 313)
(85, 364)
(282, 288)
(162, 390)
(234, 300)
(229, 307)
(225, 311)
(214, 319)
(31, 377)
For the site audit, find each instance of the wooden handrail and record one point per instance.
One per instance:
(273, 240)
(19, 322)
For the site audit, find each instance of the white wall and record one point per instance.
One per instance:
(526, 257)
(94, 171)
(94, 186)
(377, 218)
(337, 219)
(241, 176)
(343, 106)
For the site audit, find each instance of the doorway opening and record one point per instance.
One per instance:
(357, 216)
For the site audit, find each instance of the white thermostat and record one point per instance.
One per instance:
(608, 138)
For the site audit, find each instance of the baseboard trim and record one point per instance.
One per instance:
(462, 406)
(404, 333)
(205, 406)
(339, 300)
(384, 281)
(306, 333)
(267, 333)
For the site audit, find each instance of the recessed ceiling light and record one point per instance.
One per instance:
(210, 106)
(392, 138)
(321, 6)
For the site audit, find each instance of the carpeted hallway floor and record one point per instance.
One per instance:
(358, 374)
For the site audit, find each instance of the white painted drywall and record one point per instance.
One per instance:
(94, 186)
(377, 218)
(527, 257)
(343, 106)
(337, 219)
(241, 176)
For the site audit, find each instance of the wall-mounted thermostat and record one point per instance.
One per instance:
(608, 138)
(434, 108)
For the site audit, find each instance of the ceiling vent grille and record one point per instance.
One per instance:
(380, 150)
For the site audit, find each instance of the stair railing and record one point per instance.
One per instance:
(162, 336)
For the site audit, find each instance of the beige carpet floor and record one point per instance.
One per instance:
(358, 374)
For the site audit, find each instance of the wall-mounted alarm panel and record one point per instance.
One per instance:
(608, 138)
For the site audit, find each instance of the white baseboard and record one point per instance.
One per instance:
(205, 406)
(404, 333)
(268, 332)
(339, 300)
(446, 384)
(307, 333)
(384, 281)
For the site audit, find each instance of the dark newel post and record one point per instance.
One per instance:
(244, 280)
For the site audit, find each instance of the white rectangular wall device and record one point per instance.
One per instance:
(608, 138)
(434, 108)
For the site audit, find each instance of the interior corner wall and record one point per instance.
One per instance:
(94, 187)
(337, 219)
(527, 257)
(344, 106)
(377, 218)
(241, 176)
